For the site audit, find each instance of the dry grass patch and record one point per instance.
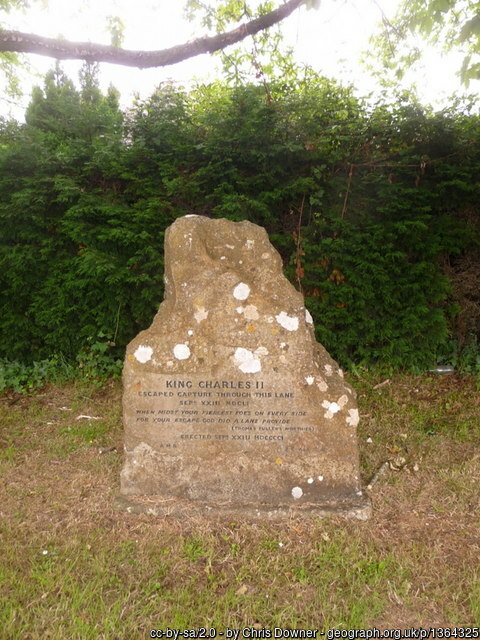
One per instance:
(73, 567)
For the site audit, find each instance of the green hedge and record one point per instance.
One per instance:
(363, 203)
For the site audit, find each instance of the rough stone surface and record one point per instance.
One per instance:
(229, 402)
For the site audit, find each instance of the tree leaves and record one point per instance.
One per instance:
(448, 24)
(470, 28)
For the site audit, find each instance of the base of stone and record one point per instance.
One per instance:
(358, 507)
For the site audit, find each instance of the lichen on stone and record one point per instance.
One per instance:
(290, 323)
(241, 291)
(143, 353)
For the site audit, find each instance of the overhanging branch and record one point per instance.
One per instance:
(66, 50)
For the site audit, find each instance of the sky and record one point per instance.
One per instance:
(330, 39)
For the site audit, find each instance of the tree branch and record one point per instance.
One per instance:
(66, 50)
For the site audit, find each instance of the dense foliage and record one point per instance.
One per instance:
(367, 205)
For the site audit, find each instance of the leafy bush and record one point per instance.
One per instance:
(365, 204)
(374, 300)
(23, 378)
(464, 358)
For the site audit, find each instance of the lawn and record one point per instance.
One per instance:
(73, 567)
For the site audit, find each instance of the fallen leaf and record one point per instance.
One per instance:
(241, 591)
(397, 463)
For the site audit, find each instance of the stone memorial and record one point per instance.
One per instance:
(230, 405)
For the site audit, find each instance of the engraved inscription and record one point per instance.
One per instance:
(183, 411)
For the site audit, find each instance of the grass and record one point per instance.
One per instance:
(73, 567)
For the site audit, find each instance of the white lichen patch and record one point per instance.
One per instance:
(241, 291)
(261, 351)
(223, 257)
(270, 319)
(251, 366)
(181, 351)
(190, 332)
(240, 309)
(310, 480)
(143, 354)
(251, 312)
(297, 492)
(308, 317)
(328, 369)
(247, 361)
(290, 323)
(340, 372)
(309, 380)
(353, 417)
(266, 255)
(322, 385)
(250, 244)
(200, 314)
(331, 408)
(320, 478)
(230, 246)
(192, 215)
(170, 363)
(342, 401)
